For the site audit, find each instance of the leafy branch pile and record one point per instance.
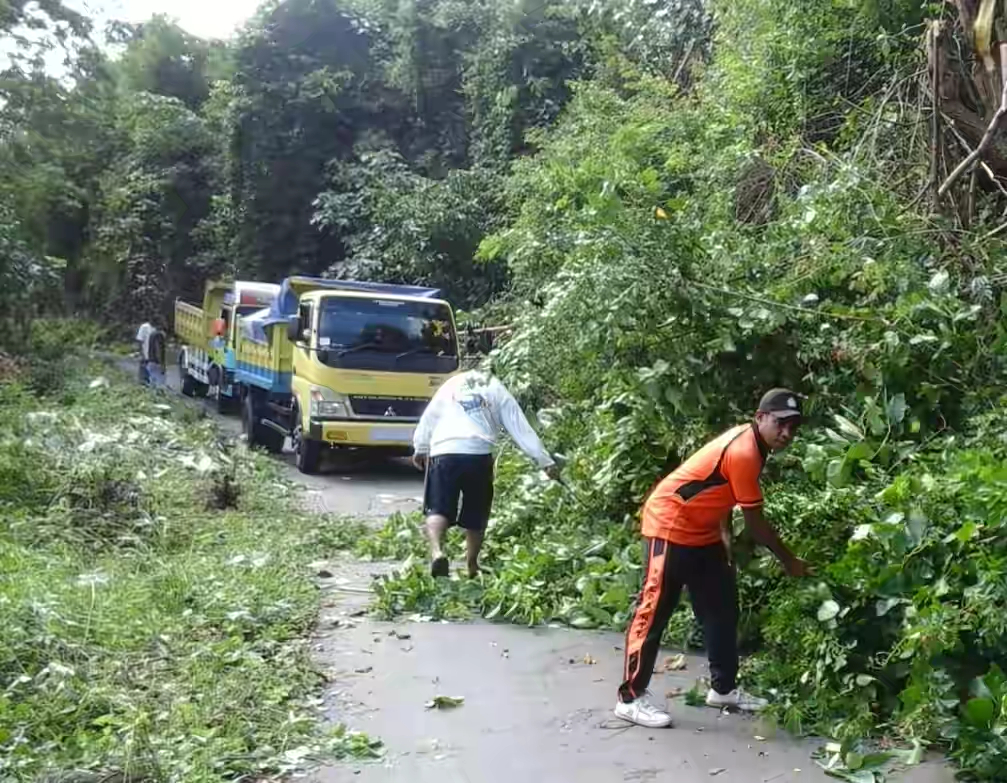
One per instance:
(155, 596)
(673, 255)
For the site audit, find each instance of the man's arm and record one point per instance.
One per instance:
(425, 429)
(768, 537)
(514, 421)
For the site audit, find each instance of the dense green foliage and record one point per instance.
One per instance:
(155, 594)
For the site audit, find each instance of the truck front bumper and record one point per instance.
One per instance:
(363, 433)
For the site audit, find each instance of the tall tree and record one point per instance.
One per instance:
(152, 199)
(303, 93)
(163, 59)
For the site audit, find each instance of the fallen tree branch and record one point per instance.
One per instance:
(991, 130)
(968, 151)
(934, 43)
(820, 313)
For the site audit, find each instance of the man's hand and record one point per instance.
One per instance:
(797, 568)
(553, 472)
(419, 461)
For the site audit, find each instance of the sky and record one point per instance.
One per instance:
(205, 18)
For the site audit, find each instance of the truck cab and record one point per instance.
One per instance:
(353, 366)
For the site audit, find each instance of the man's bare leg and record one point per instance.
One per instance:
(437, 526)
(473, 545)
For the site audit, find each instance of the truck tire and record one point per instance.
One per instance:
(272, 441)
(258, 434)
(224, 404)
(307, 452)
(188, 384)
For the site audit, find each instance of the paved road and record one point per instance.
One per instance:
(537, 708)
(537, 701)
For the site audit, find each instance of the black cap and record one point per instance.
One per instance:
(782, 403)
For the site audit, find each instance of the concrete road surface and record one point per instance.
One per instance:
(538, 707)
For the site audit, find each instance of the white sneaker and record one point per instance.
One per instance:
(643, 713)
(736, 699)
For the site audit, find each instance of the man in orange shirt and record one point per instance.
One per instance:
(682, 521)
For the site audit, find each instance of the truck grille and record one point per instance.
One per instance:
(389, 407)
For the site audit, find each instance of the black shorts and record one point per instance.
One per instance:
(465, 476)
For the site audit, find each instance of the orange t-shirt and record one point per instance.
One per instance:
(689, 504)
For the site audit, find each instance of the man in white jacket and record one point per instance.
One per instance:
(454, 441)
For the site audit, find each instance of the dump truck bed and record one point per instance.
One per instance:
(266, 365)
(191, 325)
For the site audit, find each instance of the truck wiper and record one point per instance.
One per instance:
(355, 348)
(411, 351)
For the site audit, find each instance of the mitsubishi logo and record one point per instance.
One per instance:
(390, 411)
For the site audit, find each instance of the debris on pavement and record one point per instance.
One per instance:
(673, 663)
(445, 702)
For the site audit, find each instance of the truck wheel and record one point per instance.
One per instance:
(248, 420)
(222, 402)
(188, 384)
(307, 452)
(308, 455)
(271, 440)
(257, 433)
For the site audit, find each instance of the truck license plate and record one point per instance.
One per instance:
(392, 434)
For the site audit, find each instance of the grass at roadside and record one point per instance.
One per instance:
(154, 593)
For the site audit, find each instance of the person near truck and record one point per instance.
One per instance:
(454, 442)
(151, 341)
(683, 520)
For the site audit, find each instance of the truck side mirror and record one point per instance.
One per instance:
(294, 331)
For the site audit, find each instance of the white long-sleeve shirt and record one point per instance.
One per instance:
(466, 416)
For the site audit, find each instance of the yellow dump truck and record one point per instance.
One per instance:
(206, 361)
(342, 364)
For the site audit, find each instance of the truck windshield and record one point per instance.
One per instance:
(386, 334)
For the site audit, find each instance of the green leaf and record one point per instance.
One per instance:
(837, 473)
(848, 427)
(445, 702)
(859, 451)
(965, 533)
(916, 526)
(909, 758)
(979, 712)
(897, 408)
(996, 681)
(876, 423)
(853, 776)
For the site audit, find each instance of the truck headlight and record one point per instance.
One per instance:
(328, 408)
(325, 403)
